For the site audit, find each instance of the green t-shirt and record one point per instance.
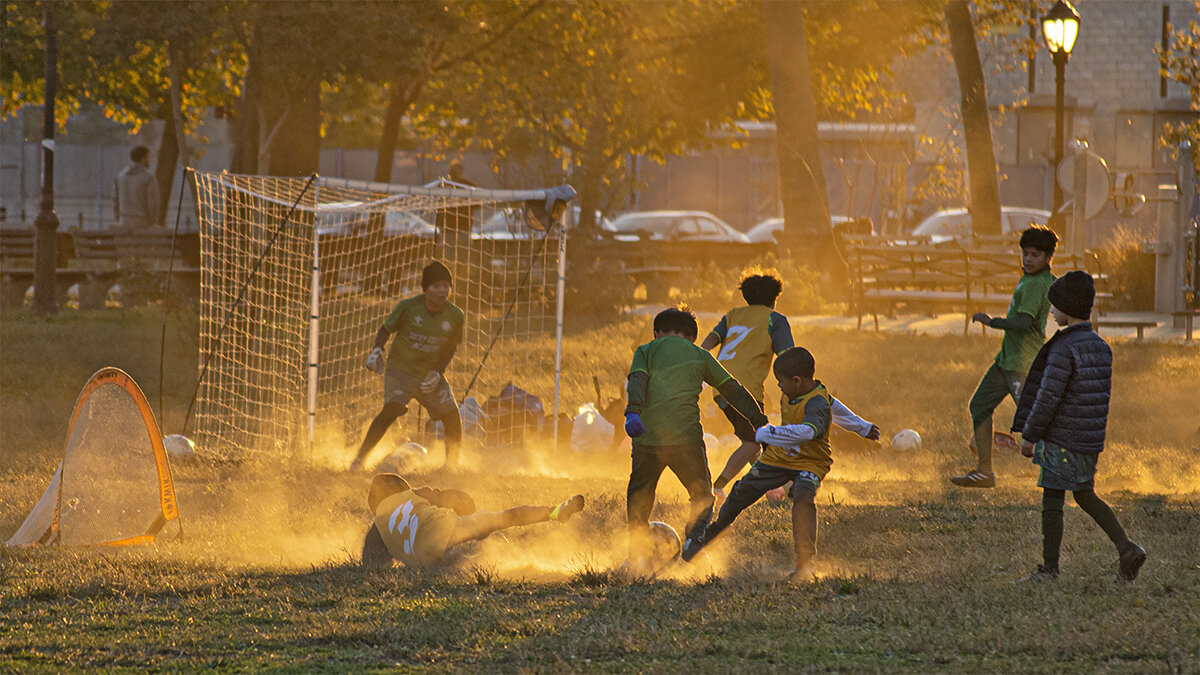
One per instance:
(422, 341)
(1019, 347)
(676, 369)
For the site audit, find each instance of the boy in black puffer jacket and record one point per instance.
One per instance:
(1062, 417)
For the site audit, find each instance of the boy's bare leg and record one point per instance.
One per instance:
(746, 453)
(804, 531)
(483, 523)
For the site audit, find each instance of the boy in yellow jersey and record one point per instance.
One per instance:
(750, 337)
(418, 525)
(797, 451)
(663, 419)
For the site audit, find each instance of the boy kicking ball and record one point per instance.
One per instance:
(417, 526)
(1062, 417)
(797, 451)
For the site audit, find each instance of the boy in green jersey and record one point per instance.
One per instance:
(428, 330)
(1024, 329)
(663, 419)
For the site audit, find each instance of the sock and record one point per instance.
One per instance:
(567, 508)
(1052, 526)
(1104, 517)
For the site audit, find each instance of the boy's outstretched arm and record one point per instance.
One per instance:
(742, 401)
(1019, 322)
(816, 423)
(846, 418)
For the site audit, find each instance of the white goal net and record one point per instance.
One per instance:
(297, 275)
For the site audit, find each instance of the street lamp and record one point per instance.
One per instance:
(1060, 27)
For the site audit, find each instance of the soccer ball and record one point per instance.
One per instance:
(906, 440)
(404, 459)
(665, 545)
(179, 446)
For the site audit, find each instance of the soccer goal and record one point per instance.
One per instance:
(297, 274)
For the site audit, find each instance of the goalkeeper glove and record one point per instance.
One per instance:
(633, 425)
(375, 360)
(431, 381)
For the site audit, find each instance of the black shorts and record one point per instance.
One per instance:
(741, 426)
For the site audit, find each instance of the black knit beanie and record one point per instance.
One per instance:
(433, 273)
(1074, 293)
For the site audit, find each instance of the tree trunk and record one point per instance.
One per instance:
(168, 157)
(981, 157)
(400, 99)
(294, 146)
(245, 147)
(808, 232)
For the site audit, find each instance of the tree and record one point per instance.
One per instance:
(981, 157)
(808, 229)
(1182, 64)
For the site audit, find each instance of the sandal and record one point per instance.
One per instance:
(975, 479)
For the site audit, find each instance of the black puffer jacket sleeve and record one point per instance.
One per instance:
(1065, 398)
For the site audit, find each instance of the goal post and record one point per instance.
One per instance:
(291, 299)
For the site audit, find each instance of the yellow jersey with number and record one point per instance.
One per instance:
(746, 347)
(414, 531)
(815, 455)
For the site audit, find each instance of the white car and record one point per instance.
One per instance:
(764, 232)
(949, 224)
(680, 226)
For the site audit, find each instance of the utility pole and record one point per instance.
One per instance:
(45, 245)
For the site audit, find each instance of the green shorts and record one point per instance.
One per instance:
(1063, 469)
(400, 387)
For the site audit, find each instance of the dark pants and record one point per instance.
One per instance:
(761, 479)
(690, 466)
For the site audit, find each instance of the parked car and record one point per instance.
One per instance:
(949, 224)
(342, 219)
(764, 232)
(507, 224)
(675, 226)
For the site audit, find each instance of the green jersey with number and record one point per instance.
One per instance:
(677, 370)
(422, 340)
(1019, 347)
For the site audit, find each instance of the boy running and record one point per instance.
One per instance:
(1024, 331)
(417, 526)
(428, 330)
(797, 451)
(663, 419)
(750, 337)
(1062, 417)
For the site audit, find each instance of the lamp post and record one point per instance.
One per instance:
(1060, 27)
(46, 223)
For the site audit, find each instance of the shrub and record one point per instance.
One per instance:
(1129, 272)
(715, 288)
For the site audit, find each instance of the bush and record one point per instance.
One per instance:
(1129, 272)
(715, 288)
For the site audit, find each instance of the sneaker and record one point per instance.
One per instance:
(1131, 562)
(567, 508)
(975, 479)
(803, 574)
(691, 547)
(1041, 574)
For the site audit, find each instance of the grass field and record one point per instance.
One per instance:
(914, 574)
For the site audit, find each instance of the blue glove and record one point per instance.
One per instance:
(633, 425)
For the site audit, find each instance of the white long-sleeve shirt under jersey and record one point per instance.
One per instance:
(792, 435)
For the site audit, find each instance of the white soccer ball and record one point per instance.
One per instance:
(906, 440)
(665, 544)
(179, 446)
(405, 458)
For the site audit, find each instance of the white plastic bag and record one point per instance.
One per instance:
(590, 432)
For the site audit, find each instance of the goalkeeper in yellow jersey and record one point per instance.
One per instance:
(749, 338)
(417, 526)
(428, 330)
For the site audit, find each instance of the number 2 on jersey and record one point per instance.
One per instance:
(733, 336)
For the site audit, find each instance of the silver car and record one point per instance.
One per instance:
(950, 224)
(677, 226)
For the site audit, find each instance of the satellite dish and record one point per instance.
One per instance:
(1098, 181)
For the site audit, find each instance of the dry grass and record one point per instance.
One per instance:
(914, 574)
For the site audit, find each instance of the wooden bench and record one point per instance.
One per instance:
(1188, 316)
(18, 262)
(887, 275)
(1141, 326)
(107, 255)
